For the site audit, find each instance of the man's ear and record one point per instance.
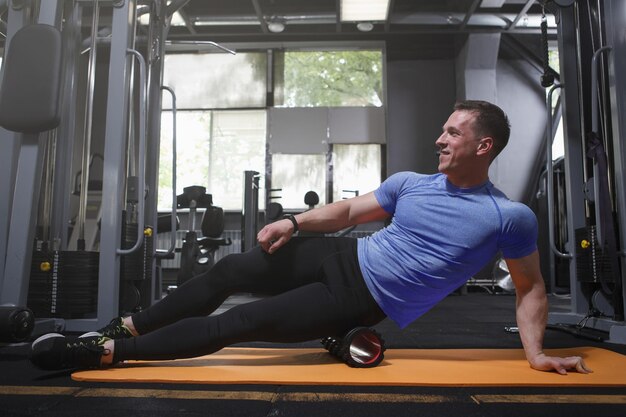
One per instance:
(485, 145)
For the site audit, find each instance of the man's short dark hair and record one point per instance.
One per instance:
(490, 121)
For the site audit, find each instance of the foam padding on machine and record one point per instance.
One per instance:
(401, 367)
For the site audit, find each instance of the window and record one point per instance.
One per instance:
(192, 148)
(553, 59)
(329, 78)
(558, 144)
(238, 145)
(357, 170)
(217, 81)
(214, 148)
(295, 175)
(216, 143)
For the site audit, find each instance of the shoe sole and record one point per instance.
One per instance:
(90, 334)
(41, 348)
(45, 337)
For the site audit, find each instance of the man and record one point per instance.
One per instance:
(444, 229)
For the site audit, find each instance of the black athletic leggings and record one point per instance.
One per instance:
(315, 290)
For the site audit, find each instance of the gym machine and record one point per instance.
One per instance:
(198, 253)
(80, 287)
(592, 52)
(29, 109)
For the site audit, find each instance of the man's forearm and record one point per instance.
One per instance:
(532, 316)
(328, 218)
(341, 214)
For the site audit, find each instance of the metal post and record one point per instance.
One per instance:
(594, 129)
(250, 215)
(550, 177)
(574, 154)
(9, 151)
(91, 85)
(114, 167)
(157, 33)
(22, 228)
(50, 12)
(141, 175)
(66, 132)
(170, 250)
(616, 19)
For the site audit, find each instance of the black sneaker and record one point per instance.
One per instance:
(116, 330)
(54, 351)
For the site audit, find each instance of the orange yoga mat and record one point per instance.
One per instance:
(401, 367)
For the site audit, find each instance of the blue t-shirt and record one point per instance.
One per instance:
(439, 237)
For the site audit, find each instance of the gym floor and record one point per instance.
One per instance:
(473, 320)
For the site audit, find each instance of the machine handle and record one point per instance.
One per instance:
(142, 154)
(550, 175)
(173, 237)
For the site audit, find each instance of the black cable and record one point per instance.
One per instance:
(547, 78)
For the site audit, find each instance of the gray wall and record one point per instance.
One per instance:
(521, 96)
(420, 96)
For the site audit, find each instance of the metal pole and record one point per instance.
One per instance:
(91, 82)
(174, 153)
(550, 177)
(250, 210)
(114, 166)
(594, 130)
(9, 152)
(66, 132)
(142, 155)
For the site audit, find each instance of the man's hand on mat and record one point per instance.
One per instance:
(275, 235)
(542, 362)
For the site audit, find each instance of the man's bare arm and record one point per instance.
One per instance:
(532, 315)
(330, 218)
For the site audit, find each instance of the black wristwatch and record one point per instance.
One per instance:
(293, 220)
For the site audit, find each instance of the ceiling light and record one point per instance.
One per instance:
(226, 21)
(364, 10)
(177, 19)
(365, 26)
(275, 27)
(491, 4)
(453, 20)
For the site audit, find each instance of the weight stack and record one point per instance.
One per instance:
(64, 284)
(148, 252)
(135, 267)
(591, 263)
(138, 265)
